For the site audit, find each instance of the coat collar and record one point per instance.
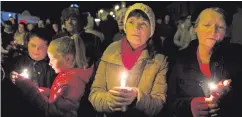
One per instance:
(113, 54)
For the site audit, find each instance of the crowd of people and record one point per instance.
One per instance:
(133, 65)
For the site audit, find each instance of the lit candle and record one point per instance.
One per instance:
(123, 84)
(220, 87)
(25, 73)
(123, 79)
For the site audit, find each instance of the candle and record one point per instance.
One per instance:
(123, 84)
(25, 73)
(123, 79)
(217, 88)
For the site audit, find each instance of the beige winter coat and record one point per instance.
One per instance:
(148, 75)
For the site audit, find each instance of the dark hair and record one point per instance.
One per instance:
(23, 25)
(73, 12)
(72, 45)
(138, 13)
(8, 23)
(42, 33)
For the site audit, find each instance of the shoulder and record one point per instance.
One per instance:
(160, 59)
(59, 35)
(112, 49)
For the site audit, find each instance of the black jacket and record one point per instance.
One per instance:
(186, 80)
(39, 71)
(14, 103)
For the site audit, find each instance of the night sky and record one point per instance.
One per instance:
(52, 9)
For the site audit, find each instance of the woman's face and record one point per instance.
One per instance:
(211, 28)
(188, 21)
(21, 28)
(137, 31)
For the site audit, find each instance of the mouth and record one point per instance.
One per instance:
(35, 54)
(136, 35)
(212, 39)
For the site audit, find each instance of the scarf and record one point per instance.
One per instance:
(129, 56)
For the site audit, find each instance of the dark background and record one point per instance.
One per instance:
(52, 9)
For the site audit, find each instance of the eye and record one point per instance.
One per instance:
(206, 25)
(144, 24)
(131, 21)
(33, 45)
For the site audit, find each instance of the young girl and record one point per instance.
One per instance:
(67, 58)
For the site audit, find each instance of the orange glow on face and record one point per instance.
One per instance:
(211, 28)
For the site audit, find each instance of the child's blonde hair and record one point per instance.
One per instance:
(72, 45)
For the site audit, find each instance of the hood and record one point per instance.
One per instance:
(84, 74)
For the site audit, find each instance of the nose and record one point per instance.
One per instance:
(68, 21)
(213, 30)
(137, 26)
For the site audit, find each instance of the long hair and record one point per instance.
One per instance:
(74, 46)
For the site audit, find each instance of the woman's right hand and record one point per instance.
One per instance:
(200, 107)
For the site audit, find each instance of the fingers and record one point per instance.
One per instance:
(203, 113)
(212, 106)
(118, 93)
(213, 111)
(203, 107)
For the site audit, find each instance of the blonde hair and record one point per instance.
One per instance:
(216, 9)
(72, 45)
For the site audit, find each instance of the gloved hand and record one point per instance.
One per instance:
(202, 108)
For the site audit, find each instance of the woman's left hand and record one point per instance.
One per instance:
(128, 93)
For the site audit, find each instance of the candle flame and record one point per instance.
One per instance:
(25, 73)
(212, 86)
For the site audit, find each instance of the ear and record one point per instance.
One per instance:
(69, 59)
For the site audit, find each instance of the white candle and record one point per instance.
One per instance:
(123, 79)
(123, 84)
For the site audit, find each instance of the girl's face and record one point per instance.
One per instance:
(59, 62)
(137, 31)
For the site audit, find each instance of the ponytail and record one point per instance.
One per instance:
(80, 55)
(72, 45)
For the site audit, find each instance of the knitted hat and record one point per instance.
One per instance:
(147, 10)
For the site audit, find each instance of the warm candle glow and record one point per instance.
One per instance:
(212, 86)
(25, 73)
(123, 79)
(227, 82)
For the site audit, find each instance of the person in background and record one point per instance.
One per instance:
(30, 27)
(120, 18)
(41, 24)
(131, 61)
(184, 33)
(206, 60)
(237, 26)
(7, 37)
(91, 27)
(56, 28)
(20, 35)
